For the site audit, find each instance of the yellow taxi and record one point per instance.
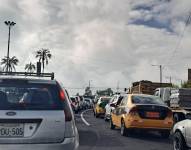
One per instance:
(140, 111)
(99, 108)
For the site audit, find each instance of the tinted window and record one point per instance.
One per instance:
(72, 99)
(147, 100)
(25, 96)
(105, 99)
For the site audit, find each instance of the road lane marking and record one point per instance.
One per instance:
(82, 117)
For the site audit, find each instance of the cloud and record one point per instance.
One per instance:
(104, 41)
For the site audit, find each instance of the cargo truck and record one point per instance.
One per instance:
(147, 87)
(178, 99)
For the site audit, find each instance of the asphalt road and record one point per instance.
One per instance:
(98, 136)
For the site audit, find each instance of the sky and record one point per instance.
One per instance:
(106, 42)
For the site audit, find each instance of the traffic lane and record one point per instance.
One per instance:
(99, 136)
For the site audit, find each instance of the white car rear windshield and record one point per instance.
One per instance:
(27, 96)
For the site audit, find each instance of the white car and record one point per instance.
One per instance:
(35, 114)
(182, 134)
(111, 106)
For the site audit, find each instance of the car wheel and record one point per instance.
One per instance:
(165, 134)
(179, 142)
(112, 126)
(123, 129)
(105, 118)
(96, 115)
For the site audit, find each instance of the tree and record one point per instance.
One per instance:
(107, 92)
(186, 84)
(43, 55)
(88, 91)
(30, 67)
(9, 63)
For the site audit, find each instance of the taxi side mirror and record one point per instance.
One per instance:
(113, 105)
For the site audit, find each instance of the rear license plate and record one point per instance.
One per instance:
(152, 114)
(11, 130)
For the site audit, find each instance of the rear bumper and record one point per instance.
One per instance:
(101, 114)
(108, 116)
(148, 124)
(68, 144)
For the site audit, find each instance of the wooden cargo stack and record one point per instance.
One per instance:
(181, 98)
(147, 87)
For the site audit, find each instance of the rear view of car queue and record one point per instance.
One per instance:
(79, 103)
(135, 112)
(132, 113)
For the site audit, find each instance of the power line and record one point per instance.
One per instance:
(179, 39)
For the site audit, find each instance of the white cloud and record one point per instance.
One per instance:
(93, 40)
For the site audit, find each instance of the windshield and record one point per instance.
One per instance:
(147, 100)
(104, 100)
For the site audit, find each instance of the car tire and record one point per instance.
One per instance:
(165, 134)
(123, 129)
(105, 118)
(96, 115)
(112, 126)
(179, 142)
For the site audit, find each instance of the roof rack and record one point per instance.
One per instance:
(51, 75)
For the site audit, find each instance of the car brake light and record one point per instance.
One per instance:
(67, 111)
(170, 114)
(62, 95)
(133, 111)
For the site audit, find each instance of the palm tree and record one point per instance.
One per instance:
(9, 63)
(43, 55)
(30, 67)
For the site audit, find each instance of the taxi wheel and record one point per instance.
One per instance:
(123, 129)
(179, 142)
(112, 126)
(96, 115)
(165, 134)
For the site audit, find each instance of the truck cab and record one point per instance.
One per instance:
(164, 94)
(178, 99)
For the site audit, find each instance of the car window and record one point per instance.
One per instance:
(29, 97)
(123, 101)
(73, 99)
(147, 100)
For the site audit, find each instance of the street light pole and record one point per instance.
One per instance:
(160, 67)
(90, 83)
(9, 24)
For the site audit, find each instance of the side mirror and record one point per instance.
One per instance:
(188, 116)
(112, 105)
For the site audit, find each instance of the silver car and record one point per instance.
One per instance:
(182, 134)
(35, 114)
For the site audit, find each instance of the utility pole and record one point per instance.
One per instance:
(160, 67)
(89, 83)
(117, 86)
(9, 24)
(170, 78)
